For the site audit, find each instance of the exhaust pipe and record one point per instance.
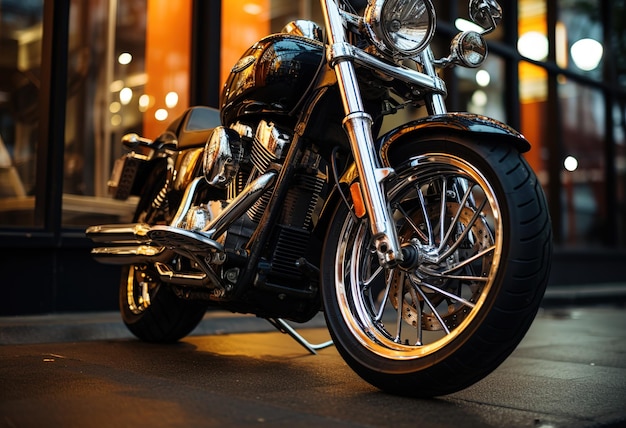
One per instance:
(132, 233)
(141, 243)
(128, 255)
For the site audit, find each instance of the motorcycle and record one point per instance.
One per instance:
(427, 247)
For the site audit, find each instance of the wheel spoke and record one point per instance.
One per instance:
(433, 309)
(383, 303)
(410, 221)
(469, 261)
(420, 195)
(442, 212)
(440, 291)
(460, 239)
(457, 215)
(366, 283)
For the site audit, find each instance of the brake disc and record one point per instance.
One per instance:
(450, 310)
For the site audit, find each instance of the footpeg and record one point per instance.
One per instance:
(181, 239)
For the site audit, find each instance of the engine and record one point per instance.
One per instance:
(233, 162)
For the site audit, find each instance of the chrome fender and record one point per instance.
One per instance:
(451, 126)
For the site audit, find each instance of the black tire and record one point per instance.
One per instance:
(149, 308)
(463, 310)
(162, 317)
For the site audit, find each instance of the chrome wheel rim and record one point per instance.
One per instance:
(419, 308)
(140, 288)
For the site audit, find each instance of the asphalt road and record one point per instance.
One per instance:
(570, 371)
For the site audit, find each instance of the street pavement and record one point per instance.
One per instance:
(85, 370)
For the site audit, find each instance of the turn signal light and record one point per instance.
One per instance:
(357, 200)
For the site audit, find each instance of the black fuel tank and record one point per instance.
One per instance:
(271, 77)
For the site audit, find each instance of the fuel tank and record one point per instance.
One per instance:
(271, 77)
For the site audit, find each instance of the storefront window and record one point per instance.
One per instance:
(128, 72)
(533, 82)
(584, 170)
(582, 38)
(482, 90)
(21, 28)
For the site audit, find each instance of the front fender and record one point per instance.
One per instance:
(452, 125)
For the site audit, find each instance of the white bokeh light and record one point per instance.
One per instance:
(587, 54)
(483, 78)
(126, 94)
(125, 58)
(570, 163)
(160, 114)
(479, 98)
(144, 102)
(171, 99)
(533, 45)
(465, 25)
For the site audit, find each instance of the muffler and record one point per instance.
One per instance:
(140, 243)
(127, 244)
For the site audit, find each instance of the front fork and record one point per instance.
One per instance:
(358, 126)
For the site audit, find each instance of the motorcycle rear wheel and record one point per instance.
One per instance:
(474, 218)
(150, 309)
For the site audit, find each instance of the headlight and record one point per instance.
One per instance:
(221, 157)
(400, 28)
(469, 48)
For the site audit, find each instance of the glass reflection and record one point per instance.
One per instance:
(130, 73)
(584, 171)
(21, 28)
(582, 23)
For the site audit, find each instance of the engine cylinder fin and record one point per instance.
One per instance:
(307, 191)
(292, 244)
(255, 213)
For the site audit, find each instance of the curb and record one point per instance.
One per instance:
(606, 293)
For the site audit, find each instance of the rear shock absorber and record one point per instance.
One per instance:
(160, 200)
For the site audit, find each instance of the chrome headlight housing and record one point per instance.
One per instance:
(400, 28)
(469, 48)
(221, 157)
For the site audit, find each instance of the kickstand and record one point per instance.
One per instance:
(282, 326)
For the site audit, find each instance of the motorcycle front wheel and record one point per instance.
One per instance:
(475, 230)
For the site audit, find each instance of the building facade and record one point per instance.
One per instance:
(76, 75)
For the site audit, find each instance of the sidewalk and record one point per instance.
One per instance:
(84, 326)
(74, 327)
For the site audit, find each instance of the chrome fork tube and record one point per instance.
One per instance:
(358, 126)
(437, 101)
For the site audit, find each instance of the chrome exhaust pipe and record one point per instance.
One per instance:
(132, 233)
(138, 233)
(136, 243)
(128, 255)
